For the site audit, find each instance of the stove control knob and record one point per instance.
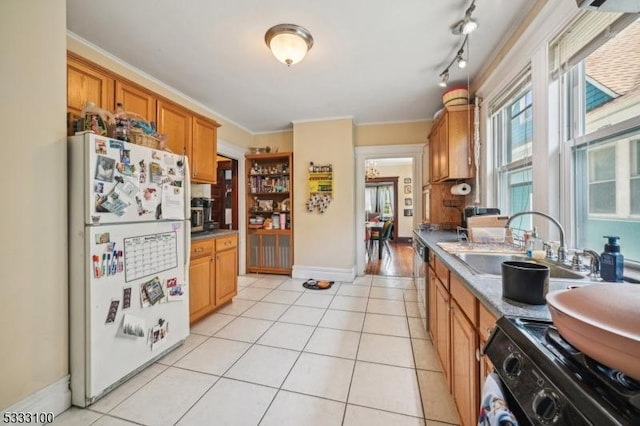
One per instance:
(512, 365)
(546, 406)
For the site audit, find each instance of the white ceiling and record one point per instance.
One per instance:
(376, 61)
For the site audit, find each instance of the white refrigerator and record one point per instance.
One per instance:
(128, 260)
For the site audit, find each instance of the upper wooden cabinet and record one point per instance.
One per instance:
(191, 135)
(426, 168)
(204, 150)
(137, 100)
(85, 83)
(187, 133)
(175, 122)
(450, 144)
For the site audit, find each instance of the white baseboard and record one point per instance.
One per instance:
(55, 398)
(319, 273)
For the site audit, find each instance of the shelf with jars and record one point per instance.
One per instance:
(268, 212)
(320, 182)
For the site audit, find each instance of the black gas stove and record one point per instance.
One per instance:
(549, 382)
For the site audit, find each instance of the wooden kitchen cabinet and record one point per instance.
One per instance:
(213, 274)
(203, 152)
(191, 135)
(187, 133)
(486, 323)
(87, 83)
(459, 324)
(201, 279)
(175, 122)
(432, 304)
(450, 144)
(137, 100)
(464, 346)
(226, 267)
(443, 330)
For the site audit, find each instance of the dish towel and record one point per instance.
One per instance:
(493, 407)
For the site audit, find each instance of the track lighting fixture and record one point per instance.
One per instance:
(459, 58)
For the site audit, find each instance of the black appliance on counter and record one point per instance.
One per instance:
(549, 382)
(477, 211)
(201, 215)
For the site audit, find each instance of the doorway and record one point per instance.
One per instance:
(225, 194)
(409, 189)
(381, 201)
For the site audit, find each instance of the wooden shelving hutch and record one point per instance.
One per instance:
(269, 212)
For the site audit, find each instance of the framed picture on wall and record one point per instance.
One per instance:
(408, 202)
(407, 189)
(407, 180)
(408, 212)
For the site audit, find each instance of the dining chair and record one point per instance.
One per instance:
(381, 236)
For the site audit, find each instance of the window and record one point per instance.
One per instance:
(602, 180)
(512, 134)
(634, 184)
(379, 200)
(601, 118)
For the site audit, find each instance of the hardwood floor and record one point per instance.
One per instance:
(398, 264)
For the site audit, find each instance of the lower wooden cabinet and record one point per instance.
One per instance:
(226, 269)
(486, 323)
(213, 275)
(464, 366)
(432, 303)
(443, 331)
(459, 325)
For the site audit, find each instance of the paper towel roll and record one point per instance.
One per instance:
(461, 189)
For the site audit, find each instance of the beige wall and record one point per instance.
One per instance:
(325, 239)
(33, 256)
(283, 141)
(228, 132)
(405, 223)
(393, 133)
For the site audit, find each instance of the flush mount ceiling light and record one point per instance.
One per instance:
(289, 43)
(467, 25)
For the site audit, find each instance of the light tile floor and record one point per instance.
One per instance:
(279, 354)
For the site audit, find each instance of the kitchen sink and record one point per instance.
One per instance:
(483, 263)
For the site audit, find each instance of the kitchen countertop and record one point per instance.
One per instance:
(195, 236)
(488, 288)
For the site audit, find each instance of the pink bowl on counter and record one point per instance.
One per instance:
(602, 321)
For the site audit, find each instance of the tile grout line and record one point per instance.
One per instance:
(355, 362)
(296, 361)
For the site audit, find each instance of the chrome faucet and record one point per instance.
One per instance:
(562, 250)
(594, 267)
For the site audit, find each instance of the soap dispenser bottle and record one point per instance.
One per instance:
(612, 261)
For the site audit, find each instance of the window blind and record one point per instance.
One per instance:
(586, 34)
(518, 85)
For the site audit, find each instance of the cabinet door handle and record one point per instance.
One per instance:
(198, 250)
(477, 354)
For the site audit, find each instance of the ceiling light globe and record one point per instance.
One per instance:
(289, 43)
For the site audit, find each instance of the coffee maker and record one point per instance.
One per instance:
(207, 208)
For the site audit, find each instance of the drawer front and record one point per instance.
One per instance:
(486, 322)
(201, 248)
(224, 243)
(466, 300)
(442, 273)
